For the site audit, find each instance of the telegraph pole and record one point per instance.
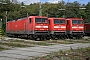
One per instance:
(68, 1)
(40, 9)
(0, 29)
(62, 1)
(6, 18)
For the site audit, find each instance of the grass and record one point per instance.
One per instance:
(1, 48)
(31, 43)
(73, 54)
(14, 44)
(46, 43)
(52, 42)
(20, 43)
(80, 40)
(61, 42)
(70, 41)
(43, 43)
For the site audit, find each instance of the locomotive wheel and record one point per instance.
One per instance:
(80, 36)
(74, 38)
(37, 39)
(31, 37)
(48, 38)
(63, 37)
(42, 38)
(55, 37)
(71, 37)
(16, 36)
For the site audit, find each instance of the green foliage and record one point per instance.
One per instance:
(35, 43)
(14, 44)
(74, 54)
(15, 11)
(1, 48)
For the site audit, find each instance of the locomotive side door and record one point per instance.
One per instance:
(67, 27)
(30, 22)
(49, 24)
(29, 26)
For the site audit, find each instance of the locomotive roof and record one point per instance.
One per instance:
(38, 16)
(56, 18)
(28, 17)
(17, 19)
(75, 18)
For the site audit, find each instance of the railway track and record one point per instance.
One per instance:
(11, 43)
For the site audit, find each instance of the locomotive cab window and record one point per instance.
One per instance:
(30, 20)
(59, 21)
(62, 21)
(56, 21)
(76, 21)
(79, 21)
(41, 20)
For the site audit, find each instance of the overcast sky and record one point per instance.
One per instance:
(53, 1)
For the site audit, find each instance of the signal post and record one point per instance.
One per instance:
(0, 29)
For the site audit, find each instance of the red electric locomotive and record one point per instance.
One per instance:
(75, 27)
(57, 27)
(87, 28)
(33, 27)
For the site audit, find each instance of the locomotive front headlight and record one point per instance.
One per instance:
(35, 29)
(41, 29)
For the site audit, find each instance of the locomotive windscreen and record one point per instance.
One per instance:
(77, 22)
(41, 20)
(59, 21)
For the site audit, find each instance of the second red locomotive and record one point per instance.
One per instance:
(57, 28)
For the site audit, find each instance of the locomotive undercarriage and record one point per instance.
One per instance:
(58, 35)
(37, 35)
(76, 36)
(31, 36)
(41, 37)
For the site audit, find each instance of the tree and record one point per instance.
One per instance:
(14, 1)
(7, 1)
(88, 11)
(48, 9)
